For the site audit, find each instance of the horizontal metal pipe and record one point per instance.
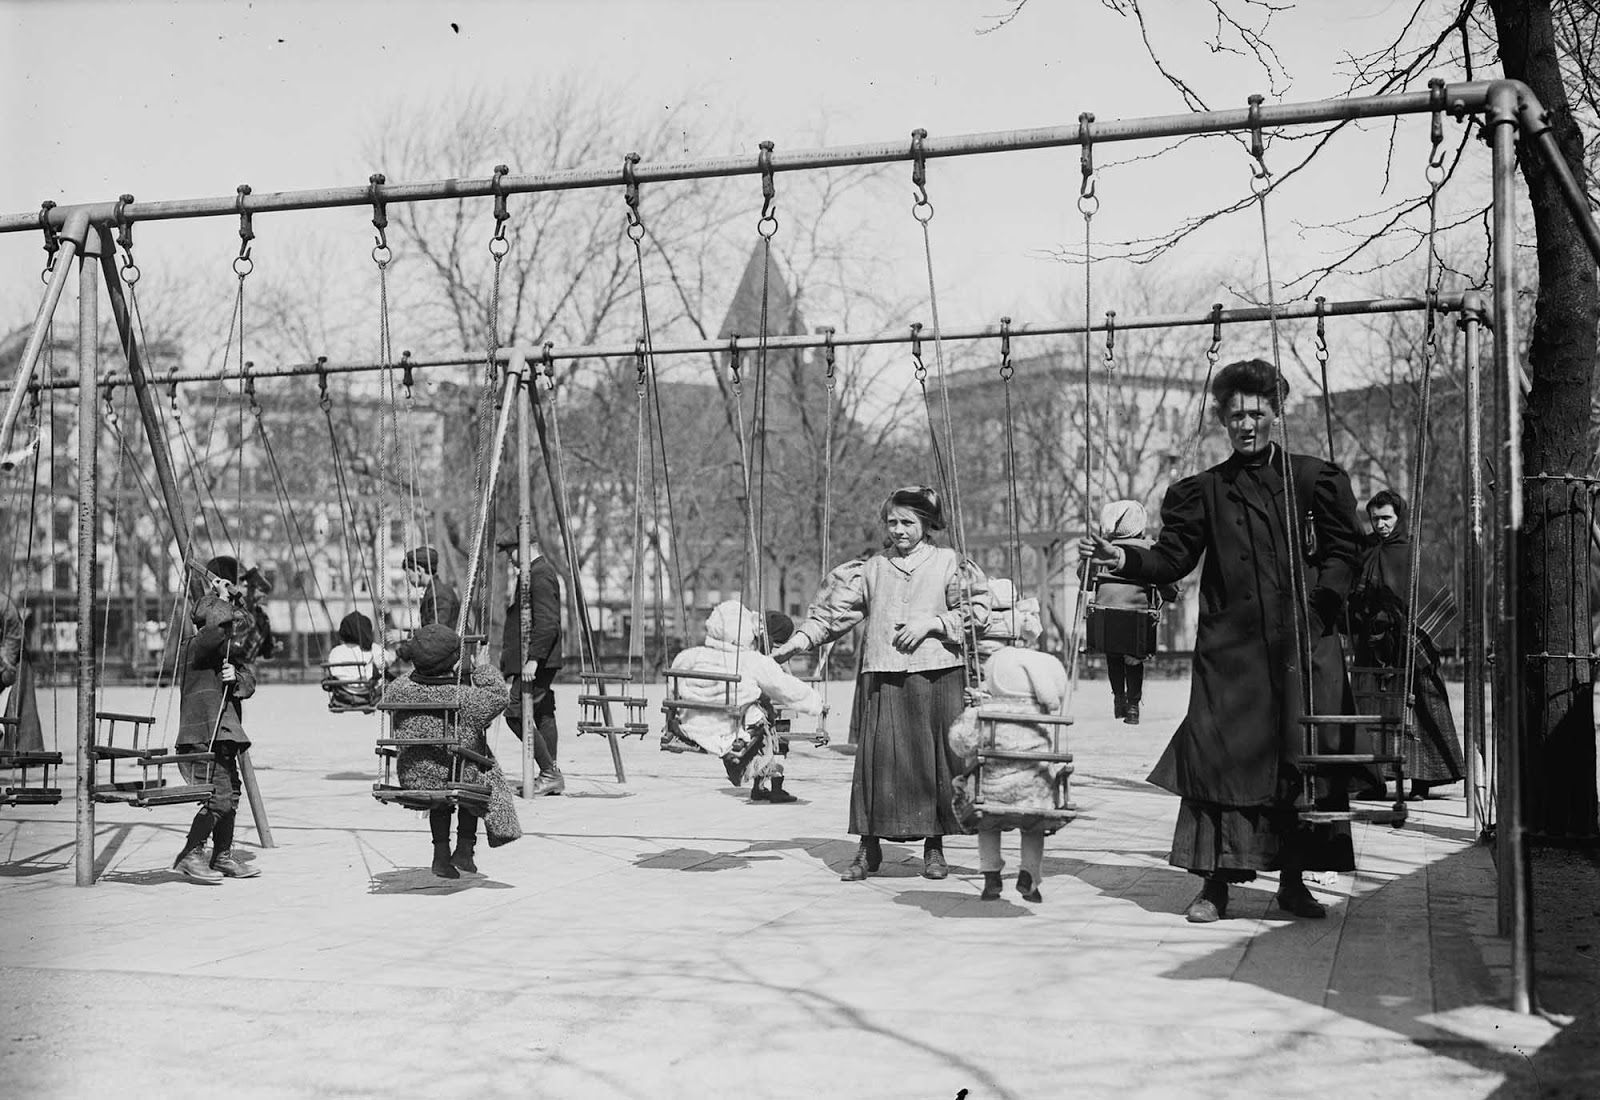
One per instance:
(1447, 303)
(1459, 99)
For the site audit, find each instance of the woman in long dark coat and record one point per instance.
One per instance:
(916, 601)
(1378, 620)
(1232, 760)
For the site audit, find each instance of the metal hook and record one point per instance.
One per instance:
(1261, 175)
(769, 191)
(916, 350)
(498, 245)
(828, 351)
(119, 215)
(1006, 369)
(380, 218)
(52, 239)
(639, 362)
(1111, 338)
(733, 358)
(322, 384)
(1088, 201)
(406, 380)
(549, 362)
(1322, 329)
(242, 264)
(1215, 349)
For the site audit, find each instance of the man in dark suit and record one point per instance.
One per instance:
(438, 602)
(537, 667)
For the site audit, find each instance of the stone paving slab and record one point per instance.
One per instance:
(668, 938)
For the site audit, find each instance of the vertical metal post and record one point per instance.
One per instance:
(72, 238)
(530, 766)
(1477, 751)
(88, 537)
(1502, 123)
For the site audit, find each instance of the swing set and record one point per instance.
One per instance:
(1509, 109)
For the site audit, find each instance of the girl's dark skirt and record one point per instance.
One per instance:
(901, 789)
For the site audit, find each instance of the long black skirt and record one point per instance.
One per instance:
(1235, 841)
(901, 789)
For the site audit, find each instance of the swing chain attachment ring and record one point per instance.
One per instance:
(1088, 201)
(243, 264)
(630, 196)
(119, 215)
(323, 400)
(52, 239)
(1322, 330)
(549, 363)
(1260, 174)
(498, 244)
(1006, 367)
(768, 223)
(381, 254)
(921, 208)
(1214, 352)
(1435, 172)
(916, 352)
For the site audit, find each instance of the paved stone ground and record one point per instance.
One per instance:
(668, 938)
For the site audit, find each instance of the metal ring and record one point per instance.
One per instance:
(381, 255)
(922, 210)
(1089, 205)
(130, 273)
(636, 229)
(1260, 182)
(498, 253)
(1434, 175)
(767, 226)
(243, 265)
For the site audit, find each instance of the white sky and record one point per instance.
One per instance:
(172, 100)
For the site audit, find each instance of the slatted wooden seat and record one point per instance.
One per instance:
(457, 791)
(675, 707)
(989, 720)
(599, 713)
(1386, 715)
(146, 790)
(42, 789)
(350, 692)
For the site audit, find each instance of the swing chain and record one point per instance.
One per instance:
(1088, 201)
(52, 239)
(381, 254)
(916, 352)
(1322, 330)
(828, 354)
(323, 400)
(921, 208)
(1006, 369)
(1260, 174)
(630, 196)
(1111, 340)
(1436, 100)
(130, 270)
(498, 244)
(1214, 352)
(243, 264)
(767, 225)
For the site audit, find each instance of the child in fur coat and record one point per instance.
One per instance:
(1016, 679)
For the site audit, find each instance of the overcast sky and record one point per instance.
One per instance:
(171, 100)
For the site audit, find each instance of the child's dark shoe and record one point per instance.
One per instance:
(1027, 887)
(991, 886)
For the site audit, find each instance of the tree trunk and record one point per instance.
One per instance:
(1559, 727)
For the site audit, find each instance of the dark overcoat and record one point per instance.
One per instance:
(209, 708)
(1245, 699)
(544, 646)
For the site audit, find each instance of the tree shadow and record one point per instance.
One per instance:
(949, 904)
(698, 859)
(422, 881)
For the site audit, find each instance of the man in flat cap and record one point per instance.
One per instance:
(538, 666)
(439, 602)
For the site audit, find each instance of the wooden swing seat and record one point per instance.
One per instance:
(359, 694)
(23, 793)
(1062, 808)
(148, 790)
(456, 792)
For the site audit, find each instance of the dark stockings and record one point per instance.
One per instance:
(1127, 680)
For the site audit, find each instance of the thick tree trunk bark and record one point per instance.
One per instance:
(1561, 792)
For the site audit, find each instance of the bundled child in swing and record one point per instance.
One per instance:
(1018, 678)
(734, 642)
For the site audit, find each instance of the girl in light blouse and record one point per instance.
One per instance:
(917, 603)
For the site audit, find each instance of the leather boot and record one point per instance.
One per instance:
(1210, 905)
(225, 862)
(1119, 706)
(192, 865)
(1130, 713)
(991, 886)
(550, 781)
(466, 844)
(866, 862)
(933, 864)
(777, 793)
(1027, 887)
(441, 861)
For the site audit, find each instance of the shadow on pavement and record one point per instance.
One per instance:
(947, 905)
(697, 859)
(421, 880)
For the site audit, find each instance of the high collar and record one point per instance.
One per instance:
(1267, 454)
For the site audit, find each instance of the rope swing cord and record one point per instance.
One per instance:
(922, 212)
